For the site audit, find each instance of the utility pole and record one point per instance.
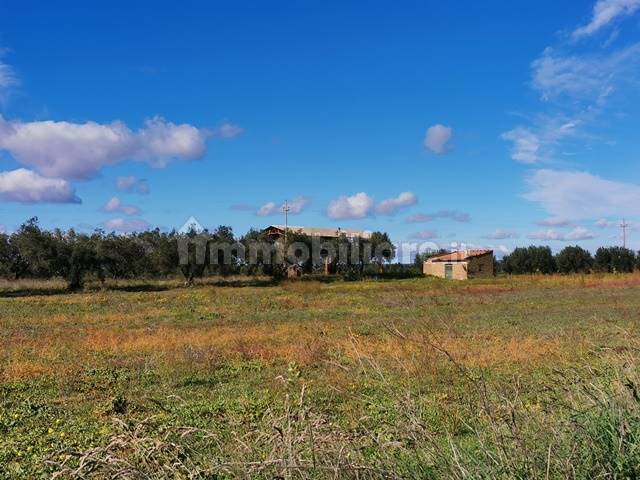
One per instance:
(624, 225)
(286, 209)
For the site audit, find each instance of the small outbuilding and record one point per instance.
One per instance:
(460, 265)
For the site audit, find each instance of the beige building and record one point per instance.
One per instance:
(461, 265)
(277, 231)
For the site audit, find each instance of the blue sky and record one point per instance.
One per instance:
(490, 123)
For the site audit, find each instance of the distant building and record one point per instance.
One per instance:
(277, 231)
(460, 265)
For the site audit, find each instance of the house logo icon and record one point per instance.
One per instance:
(191, 225)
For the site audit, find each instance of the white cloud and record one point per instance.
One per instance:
(116, 205)
(80, 150)
(425, 235)
(605, 223)
(500, 234)
(581, 84)
(590, 77)
(126, 225)
(270, 208)
(8, 80)
(577, 234)
(353, 207)
(538, 142)
(228, 130)
(526, 145)
(501, 250)
(554, 222)
(391, 205)
(26, 186)
(437, 139)
(604, 13)
(296, 206)
(581, 195)
(130, 184)
(442, 214)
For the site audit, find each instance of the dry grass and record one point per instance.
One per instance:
(385, 365)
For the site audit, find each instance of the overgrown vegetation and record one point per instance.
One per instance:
(514, 377)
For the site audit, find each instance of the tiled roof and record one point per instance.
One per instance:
(459, 256)
(323, 232)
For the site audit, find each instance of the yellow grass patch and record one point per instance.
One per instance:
(19, 370)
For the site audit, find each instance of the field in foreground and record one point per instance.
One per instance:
(528, 377)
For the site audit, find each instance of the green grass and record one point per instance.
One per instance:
(524, 377)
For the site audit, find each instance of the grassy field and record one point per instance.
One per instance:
(524, 377)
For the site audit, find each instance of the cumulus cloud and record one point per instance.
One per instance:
(442, 214)
(116, 205)
(296, 206)
(353, 207)
(390, 206)
(500, 234)
(425, 235)
(131, 184)
(26, 186)
(577, 234)
(604, 13)
(126, 225)
(437, 139)
(80, 150)
(581, 195)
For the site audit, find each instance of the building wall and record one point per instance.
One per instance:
(481, 267)
(437, 269)
(475, 267)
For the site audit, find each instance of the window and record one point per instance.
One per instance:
(480, 267)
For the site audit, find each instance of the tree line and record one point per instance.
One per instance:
(571, 259)
(34, 252)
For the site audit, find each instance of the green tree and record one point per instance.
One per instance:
(194, 257)
(42, 252)
(614, 260)
(83, 259)
(533, 259)
(574, 259)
